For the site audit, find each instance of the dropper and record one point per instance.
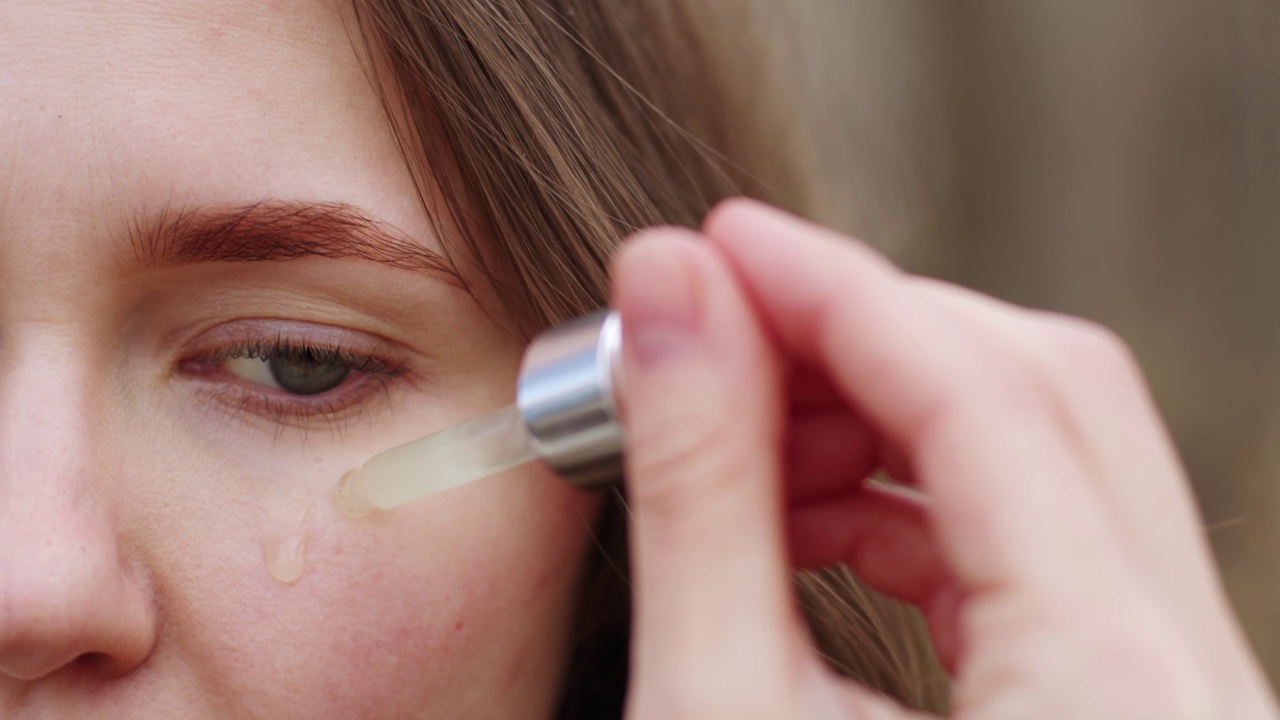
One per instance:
(566, 414)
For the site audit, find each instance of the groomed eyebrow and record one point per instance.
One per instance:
(275, 231)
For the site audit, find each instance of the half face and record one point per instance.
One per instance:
(219, 292)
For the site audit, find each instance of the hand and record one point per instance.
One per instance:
(772, 365)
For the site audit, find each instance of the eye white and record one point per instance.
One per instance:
(254, 370)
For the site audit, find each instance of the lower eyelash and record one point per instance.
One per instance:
(320, 411)
(287, 411)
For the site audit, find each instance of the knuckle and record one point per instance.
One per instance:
(683, 464)
(1123, 646)
(1024, 387)
(1097, 351)
(1156, 666)
(1014, 391)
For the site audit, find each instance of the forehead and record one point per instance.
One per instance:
(93, 50)
(129, 77)
(130, 105)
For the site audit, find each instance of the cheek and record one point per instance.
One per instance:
(459, 604)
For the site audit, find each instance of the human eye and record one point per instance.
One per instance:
(295, 373)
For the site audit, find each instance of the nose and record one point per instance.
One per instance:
(67, 596)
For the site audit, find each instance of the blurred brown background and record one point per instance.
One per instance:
(1117, 160)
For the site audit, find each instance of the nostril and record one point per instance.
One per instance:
(67, 599)
(100, 665)
(91, 661)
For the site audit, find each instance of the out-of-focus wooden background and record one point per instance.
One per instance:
(1117, 160)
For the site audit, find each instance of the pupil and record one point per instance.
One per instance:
(305, 377)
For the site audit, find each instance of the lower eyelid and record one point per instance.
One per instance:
(337, 407)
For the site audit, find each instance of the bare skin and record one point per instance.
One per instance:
(1058, 556)
(145, 450)
(145, 456)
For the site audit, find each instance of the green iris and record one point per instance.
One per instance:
(304, 376)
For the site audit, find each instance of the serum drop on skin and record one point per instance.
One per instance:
(284, 550)
(566, 414)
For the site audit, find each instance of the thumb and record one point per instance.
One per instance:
(712, 598)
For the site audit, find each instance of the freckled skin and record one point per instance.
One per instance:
(133, 504)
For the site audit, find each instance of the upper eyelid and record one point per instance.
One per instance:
(260, 330)
(264, 349)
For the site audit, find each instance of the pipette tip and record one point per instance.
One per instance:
(350, 496)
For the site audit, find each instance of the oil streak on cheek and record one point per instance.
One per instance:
(284, 549)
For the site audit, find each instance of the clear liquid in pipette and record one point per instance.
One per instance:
(454, 456)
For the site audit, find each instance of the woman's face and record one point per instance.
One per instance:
(215, 298)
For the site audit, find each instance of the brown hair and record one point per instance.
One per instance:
(544, 131)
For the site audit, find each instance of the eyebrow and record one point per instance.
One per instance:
(276, 231)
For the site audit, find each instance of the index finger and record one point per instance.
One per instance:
(1010, 505)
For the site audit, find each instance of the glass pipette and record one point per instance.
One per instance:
(566, 414)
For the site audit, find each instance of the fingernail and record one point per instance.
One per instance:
(659, 298)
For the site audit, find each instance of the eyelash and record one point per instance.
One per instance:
(375, 373)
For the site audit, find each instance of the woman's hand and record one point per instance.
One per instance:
(773, 365)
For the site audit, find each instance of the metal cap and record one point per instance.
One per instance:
(568, 394)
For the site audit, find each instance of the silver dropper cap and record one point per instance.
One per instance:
(568, 395)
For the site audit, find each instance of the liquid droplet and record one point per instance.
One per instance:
(350, 498)
(285, 553)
